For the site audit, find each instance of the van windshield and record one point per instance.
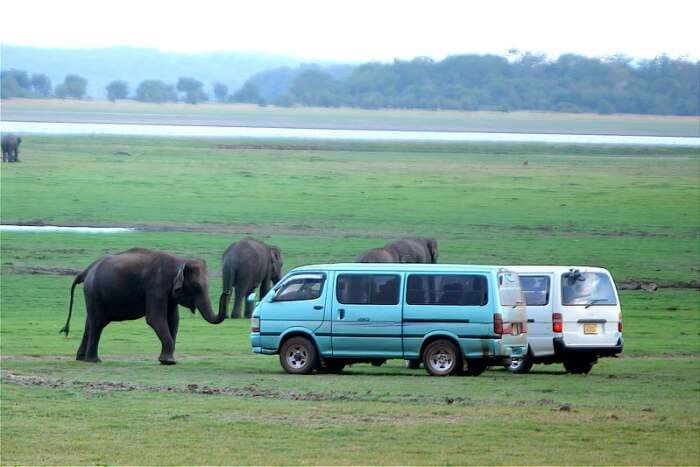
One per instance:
(509, 289)
(587, 288)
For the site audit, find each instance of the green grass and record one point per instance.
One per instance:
(309, 117)
(632, 210)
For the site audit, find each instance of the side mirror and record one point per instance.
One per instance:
(251, 298)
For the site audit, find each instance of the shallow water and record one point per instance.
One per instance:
(57, 229)
(49, 128)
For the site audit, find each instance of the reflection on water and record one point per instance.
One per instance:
(57, 229)
(311, 133)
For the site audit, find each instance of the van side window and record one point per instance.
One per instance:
(447, 290)
(304, 288)
(368, 289)
(535, 290)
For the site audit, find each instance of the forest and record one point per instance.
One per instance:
(520, 81)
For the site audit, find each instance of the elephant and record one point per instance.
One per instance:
(247, 264)
(140, 282)
(405, 250)
(10, 148)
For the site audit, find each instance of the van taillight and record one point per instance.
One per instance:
(254, 324)
(619, 323)
(497, 323)
(557, 324)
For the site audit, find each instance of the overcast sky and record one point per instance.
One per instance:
(359, 30)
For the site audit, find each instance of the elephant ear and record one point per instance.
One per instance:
(276, 256)
(179, 280)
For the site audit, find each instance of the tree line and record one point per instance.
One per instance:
(523, 81)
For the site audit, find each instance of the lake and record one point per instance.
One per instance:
(198, 131)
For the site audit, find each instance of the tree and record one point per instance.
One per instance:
(192, 89)
(220, 91)
(248, 93)
(41, 84)
(117, 90)
(152, 90)
(14, 83)
(73, 86)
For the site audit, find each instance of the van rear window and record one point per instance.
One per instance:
(535, 290)
(368, 289)
(587, 288)
(447, 290)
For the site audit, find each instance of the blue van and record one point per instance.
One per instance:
(452, 318)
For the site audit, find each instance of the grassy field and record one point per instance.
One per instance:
(632, 210)
(345, 118)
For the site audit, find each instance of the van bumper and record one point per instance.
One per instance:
(561, 349)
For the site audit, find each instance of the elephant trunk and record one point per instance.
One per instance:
(204, 307)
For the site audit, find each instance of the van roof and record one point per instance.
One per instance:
(554, 269)
(399, 267)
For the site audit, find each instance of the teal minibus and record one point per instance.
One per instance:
(455, 319)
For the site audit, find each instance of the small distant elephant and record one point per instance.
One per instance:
(10, 148)
(137, 283)
(405, 250)
(247, 264)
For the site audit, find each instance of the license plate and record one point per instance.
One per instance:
(590, 328)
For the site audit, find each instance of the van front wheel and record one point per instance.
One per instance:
(298, 356)
(441, 358)
(578, 367)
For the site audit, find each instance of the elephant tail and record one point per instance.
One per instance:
(79, 279)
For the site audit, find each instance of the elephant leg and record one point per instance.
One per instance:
(157, 318)
(238, 302)
(264, 288)
(83, 343)
(249, 304)
(95, 327)
(173, 321)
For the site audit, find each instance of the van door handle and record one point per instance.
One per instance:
(318, 307)
(341, 313)
(530, 320)
(363, 319)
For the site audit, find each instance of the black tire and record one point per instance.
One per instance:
(332, 365)
(442, 358)
(298, 356)
(578, 367)
(412, 364)
(520, 366)
(475, 367)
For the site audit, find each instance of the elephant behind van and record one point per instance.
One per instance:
(247, 265)
(405, 250)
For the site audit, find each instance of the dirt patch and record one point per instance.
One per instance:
(55, 271)
(651, 286)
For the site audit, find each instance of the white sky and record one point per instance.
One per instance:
(360, 30)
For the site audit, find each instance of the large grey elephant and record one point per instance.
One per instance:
(405, 250)
(247, 264)
(10, 148)
(137, 283)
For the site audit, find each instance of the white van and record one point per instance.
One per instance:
(574, 317)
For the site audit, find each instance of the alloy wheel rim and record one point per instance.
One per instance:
(297, 357)
(442, 360)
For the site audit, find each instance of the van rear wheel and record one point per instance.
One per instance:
(578, 367)
(520, 365)
(475, 367)
(298, 356)
(441, 358)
